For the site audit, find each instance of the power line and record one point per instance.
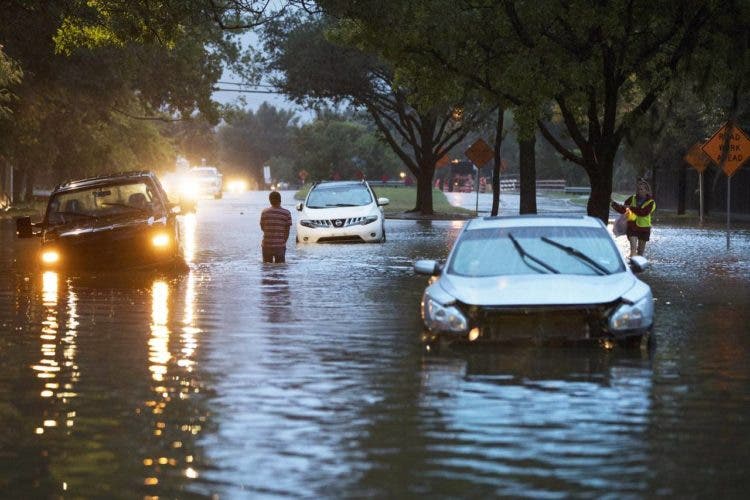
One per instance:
(217, 89)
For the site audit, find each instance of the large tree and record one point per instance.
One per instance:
(315, 69)
(87, 108)
(599, 65)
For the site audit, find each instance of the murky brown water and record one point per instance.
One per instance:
(306, 379)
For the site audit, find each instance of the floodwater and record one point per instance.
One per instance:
(307, 380)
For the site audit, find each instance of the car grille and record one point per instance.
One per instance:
(337, 223)
(341, 239)
(541, 325)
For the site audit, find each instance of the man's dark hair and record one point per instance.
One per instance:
(275, 198)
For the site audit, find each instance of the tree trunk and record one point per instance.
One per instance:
(498, 162)
(527, 166)
(424, 189)
(600, 177)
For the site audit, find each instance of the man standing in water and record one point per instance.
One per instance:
(275, 223)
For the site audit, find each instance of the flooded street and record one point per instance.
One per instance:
(307, 379)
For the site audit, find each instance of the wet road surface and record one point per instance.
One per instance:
(306, 380)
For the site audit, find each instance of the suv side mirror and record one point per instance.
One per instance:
(638, 263)
(383, 201)
(299, 206)
(24, 227)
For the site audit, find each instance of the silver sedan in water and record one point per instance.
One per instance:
(544, 279)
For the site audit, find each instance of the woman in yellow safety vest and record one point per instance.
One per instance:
(638, 208)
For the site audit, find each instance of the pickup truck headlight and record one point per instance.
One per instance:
(443, 318)
(50, 256)
(633, 316)
(160, 240)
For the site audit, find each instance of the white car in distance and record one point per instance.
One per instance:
(341, 212)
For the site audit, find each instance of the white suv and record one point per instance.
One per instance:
(341, 211)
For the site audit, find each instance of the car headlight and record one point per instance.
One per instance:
(443, 318)
(633, 316)
(314, 223)
(50, 256)
(160, 240)
(369, 219)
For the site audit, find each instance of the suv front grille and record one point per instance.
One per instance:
(337, 223)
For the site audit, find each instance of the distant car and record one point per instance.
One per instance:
(341, 211)
(544, 279)
(204, 181)
(109, 222)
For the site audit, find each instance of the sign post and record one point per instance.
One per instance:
(479, 153)
(697, 159)
(729, 148)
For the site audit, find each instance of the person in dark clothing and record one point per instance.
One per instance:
(638, 208)
(275, 223)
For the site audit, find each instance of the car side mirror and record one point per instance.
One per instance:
(299, 206)
(383, 201)
(24, 227)
(638, 263)
(428, 267)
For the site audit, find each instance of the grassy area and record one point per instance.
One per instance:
(402, 199)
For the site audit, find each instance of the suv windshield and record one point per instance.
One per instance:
(492, 252)
(103, 201)
(337, 195)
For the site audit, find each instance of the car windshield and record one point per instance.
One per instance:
(562, 249)
(103, 201)
(333, 195)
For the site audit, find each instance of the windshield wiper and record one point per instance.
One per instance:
(341, 205)
(525, 255)
(578, 255)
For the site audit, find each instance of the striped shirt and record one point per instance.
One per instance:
(275, 223)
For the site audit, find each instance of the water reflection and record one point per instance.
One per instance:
(57, 367)
(175, 420)
(524, 414)
(275, 295)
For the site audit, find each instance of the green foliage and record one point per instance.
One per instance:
(10, 74)
(334, 147)
(102, 99)
(249, 139)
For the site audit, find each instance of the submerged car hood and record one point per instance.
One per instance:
(538, 290)
(337, 212)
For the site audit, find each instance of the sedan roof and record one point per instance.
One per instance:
(534, 221)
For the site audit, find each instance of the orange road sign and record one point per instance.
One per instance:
(729, 148)
(479, 153)
(696, 158)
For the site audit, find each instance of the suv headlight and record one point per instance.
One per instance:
(443, 318)
(369, 219)
(310, 223)
(633, 316)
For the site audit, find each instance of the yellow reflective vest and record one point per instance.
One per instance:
(642, 220)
